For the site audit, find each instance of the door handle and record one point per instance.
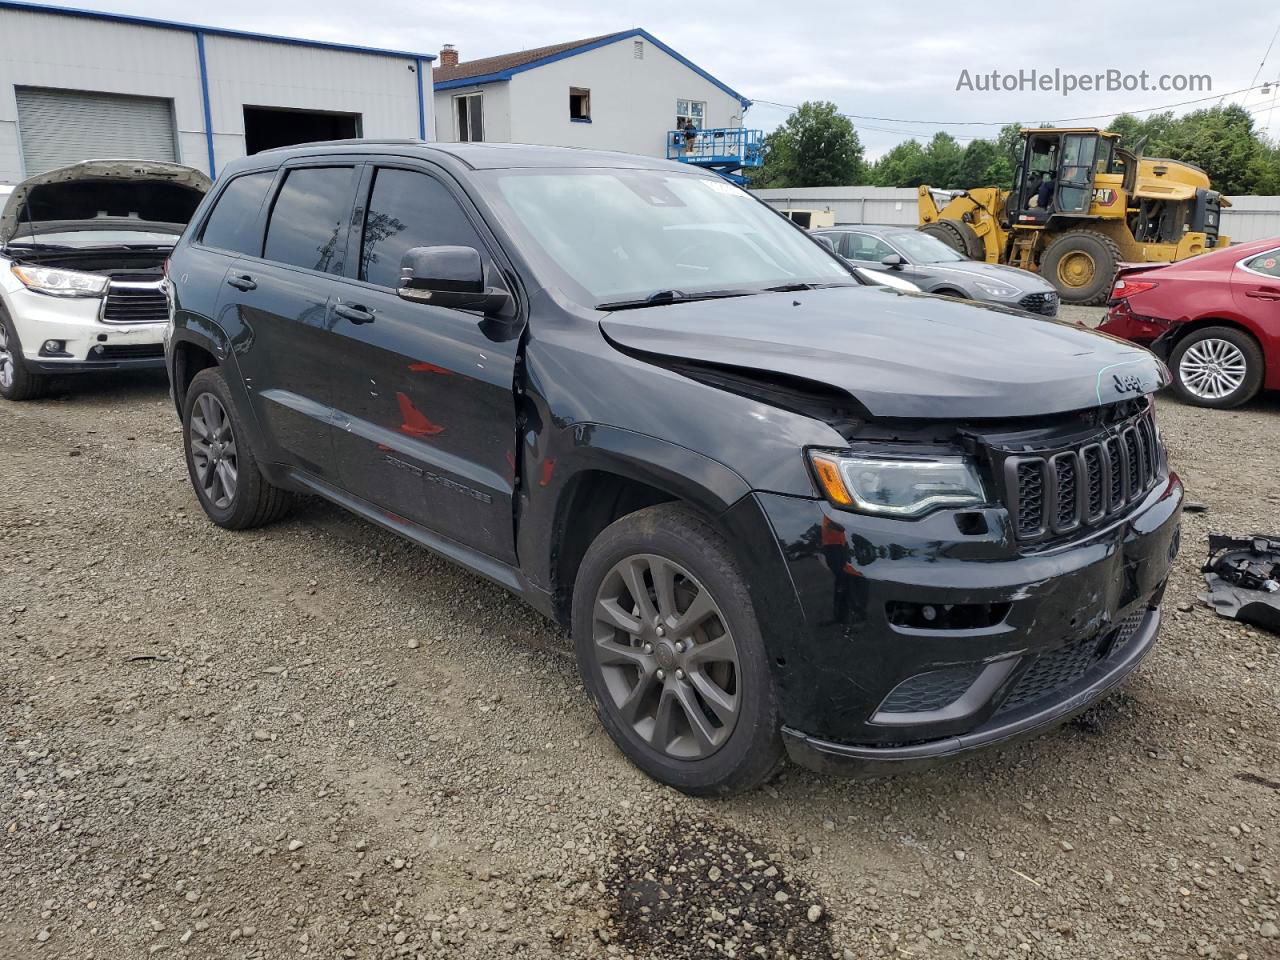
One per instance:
(354, 312)
(1265, 293)
(243, 282)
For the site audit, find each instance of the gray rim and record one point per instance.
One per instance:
(6, 360)
(213, 451)
(667, 657)
(1212, 369)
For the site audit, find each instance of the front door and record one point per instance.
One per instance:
(281, 299)
(425, 394)
(1075, 173)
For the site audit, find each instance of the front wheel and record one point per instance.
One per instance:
(1217, 367)
(670, 652)
(17, 382)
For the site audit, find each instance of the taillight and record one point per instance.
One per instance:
(1127, 288)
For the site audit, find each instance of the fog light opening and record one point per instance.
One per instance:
(948, 616)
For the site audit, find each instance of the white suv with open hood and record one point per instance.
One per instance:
(82, 252)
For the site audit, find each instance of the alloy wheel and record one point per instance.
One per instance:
(1212, 369)
(667, 657)
(6, 360)
(213, 451)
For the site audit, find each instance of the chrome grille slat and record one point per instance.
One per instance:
(1059, 491)
(133, 302)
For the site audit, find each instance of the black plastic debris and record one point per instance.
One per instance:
(1243, 574)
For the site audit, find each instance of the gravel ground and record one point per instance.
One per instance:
(315, 739)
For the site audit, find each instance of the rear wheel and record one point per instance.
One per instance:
(670, 652)
(224, 472)
(1217, 367)
(17, 382)
(957, 235)
(1082, 266)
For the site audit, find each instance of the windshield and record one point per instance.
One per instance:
(922, 248)
(620, 235)
(95, 238)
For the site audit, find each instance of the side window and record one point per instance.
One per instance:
(865, 247)
(1267, 263)
(308, 226)
(233, 224)
(409, 209)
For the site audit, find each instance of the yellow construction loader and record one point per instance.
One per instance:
(1080, 205)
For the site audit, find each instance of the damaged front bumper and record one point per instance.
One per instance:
(922, 643)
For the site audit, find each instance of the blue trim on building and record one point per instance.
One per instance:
(212, 31)
(204, 96)
(422, 102)
(603, 42)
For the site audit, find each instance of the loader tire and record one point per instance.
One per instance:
(1081, 265)
(957, 235)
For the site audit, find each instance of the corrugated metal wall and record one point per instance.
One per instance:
(95, 56)
(1248, 218)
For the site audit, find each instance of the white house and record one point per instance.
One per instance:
(83, 85)
(624, 91)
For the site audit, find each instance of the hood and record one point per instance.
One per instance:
(900, 354)
(1022, 279)
(140, 191)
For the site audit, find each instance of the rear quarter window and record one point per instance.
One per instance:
(233, 223)
(1266, 263)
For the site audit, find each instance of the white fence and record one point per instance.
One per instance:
(1248, 218)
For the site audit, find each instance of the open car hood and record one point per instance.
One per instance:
(899, 354)
(138, 191)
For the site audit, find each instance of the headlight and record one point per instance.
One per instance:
(898, 487)
(61, 283)
(887, 280)
(996, 289)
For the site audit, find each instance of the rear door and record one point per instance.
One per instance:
(280, 299)
(425, 393)
(1255, 289)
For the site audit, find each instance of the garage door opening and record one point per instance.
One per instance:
(269, 127)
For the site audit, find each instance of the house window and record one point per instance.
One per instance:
(687, 110)
(637, 49)
(469, 109)
(579, 103)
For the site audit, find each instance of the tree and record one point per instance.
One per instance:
(943, 157)
(904, 165)
(816, 147)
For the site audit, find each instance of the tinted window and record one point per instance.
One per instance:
(406, 210)
(308, 225)
(1268, 263)
(233, 225)
(865, 247)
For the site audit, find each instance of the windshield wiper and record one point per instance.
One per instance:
(663, 297)
(796, 287)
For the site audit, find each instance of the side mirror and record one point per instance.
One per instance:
(449, 277)
(826, 242)
(893, 261)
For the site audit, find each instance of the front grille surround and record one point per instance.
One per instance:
(132, 301)
(1060, 491)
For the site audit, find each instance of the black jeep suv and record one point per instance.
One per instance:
(776, 509)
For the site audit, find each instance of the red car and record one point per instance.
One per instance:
(1215, 319)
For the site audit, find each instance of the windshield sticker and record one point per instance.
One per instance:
(728, 189)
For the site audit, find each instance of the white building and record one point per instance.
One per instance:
(624, 91)
(79, 85)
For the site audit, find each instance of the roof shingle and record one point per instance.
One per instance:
(507, 61)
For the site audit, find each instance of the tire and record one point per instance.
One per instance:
(957, 235)
(252, 500)
(1064, 265)
(17, 380)
(1239, 371)
(740, 752)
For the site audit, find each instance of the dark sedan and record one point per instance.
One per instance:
(935, 268)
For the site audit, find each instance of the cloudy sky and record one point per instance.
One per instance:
(899, 60)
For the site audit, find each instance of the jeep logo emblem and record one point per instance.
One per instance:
(1128, 383)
